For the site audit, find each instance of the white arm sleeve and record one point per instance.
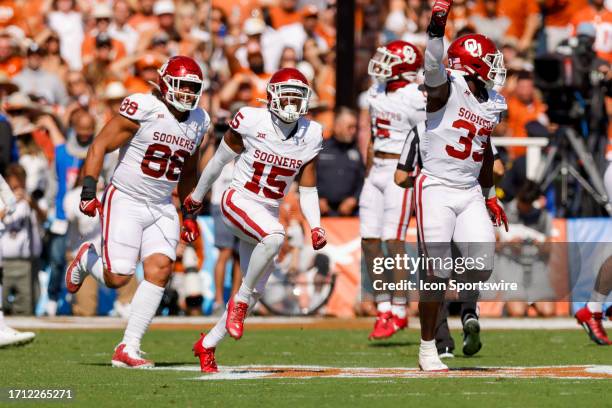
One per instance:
(309, 204)
(222, 156)
(435, 74)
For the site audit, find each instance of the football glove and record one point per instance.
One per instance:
(319, 239)
(190, 230)
(89, 204)
(498, 216)
(439, 14)
(191, 206)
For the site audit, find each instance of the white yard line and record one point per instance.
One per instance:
(91, 323)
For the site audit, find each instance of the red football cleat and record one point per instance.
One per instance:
(591, 322)
(75, 274)
(399, 323)
(206, 356)
(383, 327)
(236, 313)
(128, 357)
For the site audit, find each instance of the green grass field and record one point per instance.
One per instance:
(81, 360)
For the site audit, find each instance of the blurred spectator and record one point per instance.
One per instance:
(524, 254)
(285, 13)
(145, 66)
(557, 17)
(67, 22)
(524, 19)
(144, 19)
(79, 90)
(120, 29)
(98, 69)
(340, 160)
(52, 61)
(69, 158)
(266, 39)
(295, 35)
(32, 159)
(490, 22)
(10, 61)
(102, 15)
(598, 14)
(524, 107)
(35, 80)
(112, 97)
(21, 244)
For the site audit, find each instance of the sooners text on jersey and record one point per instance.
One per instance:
(150, 164)
(394, 114)
(452, 146)
(268, 164)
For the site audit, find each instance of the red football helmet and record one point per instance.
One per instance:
(288, 94)
(477, 55)
(398, 59)
(181, 83)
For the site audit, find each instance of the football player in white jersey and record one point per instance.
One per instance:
(396, 106)
(158, 136)
(272, 147)
(454, 193)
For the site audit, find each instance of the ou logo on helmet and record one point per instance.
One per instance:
(473, 47)
(409, 54)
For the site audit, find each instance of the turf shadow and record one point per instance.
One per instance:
(393, 344)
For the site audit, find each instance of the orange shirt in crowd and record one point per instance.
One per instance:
(603, 24)
(134, 84)
(519, 115)
(242, 7)
(142, 23)
(33, 20)
(516, 10)
(559, 13)
(10, 14)
(259, 83)
(88, 48)
(280, 17)
(43, 140)
(12, 66)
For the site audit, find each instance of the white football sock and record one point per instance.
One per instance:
(262, 256)
(595, 304)
(143, 307)
(217, 333)
(94, 265)
(428, 347)
(399, 310)
(383, 307)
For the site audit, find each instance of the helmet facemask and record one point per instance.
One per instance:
(176, 95)
(381, 64)
(497, 71)
(289, 99)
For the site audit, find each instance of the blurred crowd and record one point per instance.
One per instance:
(66, 65)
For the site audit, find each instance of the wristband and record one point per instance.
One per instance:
(187, 215)
(89, 188)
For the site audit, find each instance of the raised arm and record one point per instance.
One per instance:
(436, 80)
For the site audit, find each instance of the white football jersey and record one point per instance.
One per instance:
(393, 115)
(452, 146)
(269, 163)
(150, 163)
